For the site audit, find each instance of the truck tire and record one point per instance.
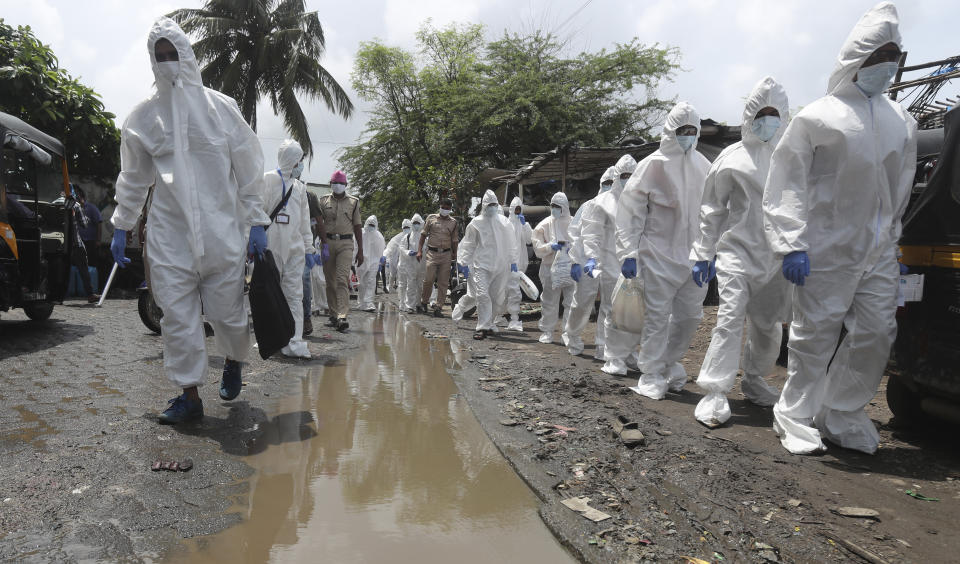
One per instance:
(39, 311)
(150, 312)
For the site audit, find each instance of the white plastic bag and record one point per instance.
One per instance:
(627, 303)
(560, 269)
(527, 286)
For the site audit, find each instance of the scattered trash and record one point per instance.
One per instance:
(762, 546)
(579, 504)
(921, 497)
(495, 379)
(172, 465)
(80, 490)
(904, 543)
(564, 429)
(861, 512)
(664, 433)
(794, 502)
(628, 432)
(692, 560)
(859, 551)
(509, 422)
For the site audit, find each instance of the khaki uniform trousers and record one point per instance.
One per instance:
(438, 269)
(337, 272)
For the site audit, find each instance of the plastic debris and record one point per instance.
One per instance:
(861, 512)
(921, 497)
(579, 504)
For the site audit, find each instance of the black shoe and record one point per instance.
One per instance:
(307, 325)
(342, 325)
(422, 308)
(332, 322)
(182, 409)
(232, 382)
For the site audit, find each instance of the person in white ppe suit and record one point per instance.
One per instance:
(549, 238)
(585, 294)
(748, 277)
(488, 254)
(411, 271)
(839, 182)
(290, 237)
(523, 233)
(599, 237)
(391, 254)
(657, 222)
(373, 247)
(207, 165)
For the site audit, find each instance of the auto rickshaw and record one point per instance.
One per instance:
(927, 349)
(34, 234)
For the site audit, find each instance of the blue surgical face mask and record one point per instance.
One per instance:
(765, 127)
(298, 170)
(406, 230)
(874, 79)
(371, 228)
(606, 187)
(556, 212)
(490, 211)
(686, 141)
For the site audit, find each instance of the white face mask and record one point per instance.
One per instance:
(298, 170)
(371, 228)
(490, 211)
(556, 212)
(445, 213)
(168, 70)
(406, 230)
(339, 188)
(417, 226)
(606, 187)
(765, 127)
(874, 79)
(686, 141)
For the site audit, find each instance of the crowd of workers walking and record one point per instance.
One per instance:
(799, 222)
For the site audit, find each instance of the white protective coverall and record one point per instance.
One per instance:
(585, 293)
(392, 254)
(373, 247)
(748, 274)
(289, 237)
(599, 239)
(488, 248)
(208, 168)
(549, 231)
(524, 235)
(411, 271)
(839, 182)
(657, 222)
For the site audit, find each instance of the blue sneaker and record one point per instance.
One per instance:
(231, 383)
(182, 409)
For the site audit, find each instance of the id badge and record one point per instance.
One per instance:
(282, 218)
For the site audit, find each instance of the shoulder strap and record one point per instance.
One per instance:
(279, 207)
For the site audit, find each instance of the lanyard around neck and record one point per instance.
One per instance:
(283, 189)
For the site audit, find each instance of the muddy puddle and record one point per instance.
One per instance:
(378, 459)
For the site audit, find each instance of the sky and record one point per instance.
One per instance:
(726, 46)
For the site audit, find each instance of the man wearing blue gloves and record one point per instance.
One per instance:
(657, 221)
(839, 182)
(206, 162)
(751, 287)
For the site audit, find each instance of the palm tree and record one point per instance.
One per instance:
(250, 49)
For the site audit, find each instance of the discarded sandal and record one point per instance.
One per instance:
(172, 465)
(628, 432)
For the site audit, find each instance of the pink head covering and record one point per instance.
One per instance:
(338, 178)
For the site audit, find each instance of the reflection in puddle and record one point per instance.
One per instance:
(397, 469)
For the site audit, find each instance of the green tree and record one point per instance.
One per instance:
(461, 104)
(36, 90)
(265, 48)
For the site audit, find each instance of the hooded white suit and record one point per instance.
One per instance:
(373, 247)
(549, 231)
(392, 254)
(208, 168)
(657, 222)
(488, 248)
(599, 239)
(839, 182)
(289, 237)
(748, 274)
(524, 236)
(585, 294)
(411, 271)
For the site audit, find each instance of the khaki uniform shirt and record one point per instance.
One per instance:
(340, 214)
(441, 231)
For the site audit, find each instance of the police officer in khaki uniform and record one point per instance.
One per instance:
(441, 238)
(340, 226)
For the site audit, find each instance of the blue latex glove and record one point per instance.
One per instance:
(589, 266)
(118, 248)
(796, 266)
(704, 271)
(904, 269)
(513, 267)
(324, 253)
(412, 253)
(311, 260)
(258, 241)
(575, 272)
(465, 270)
(383, 261)
(629, 268)
(556, 246)
(523, 220)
